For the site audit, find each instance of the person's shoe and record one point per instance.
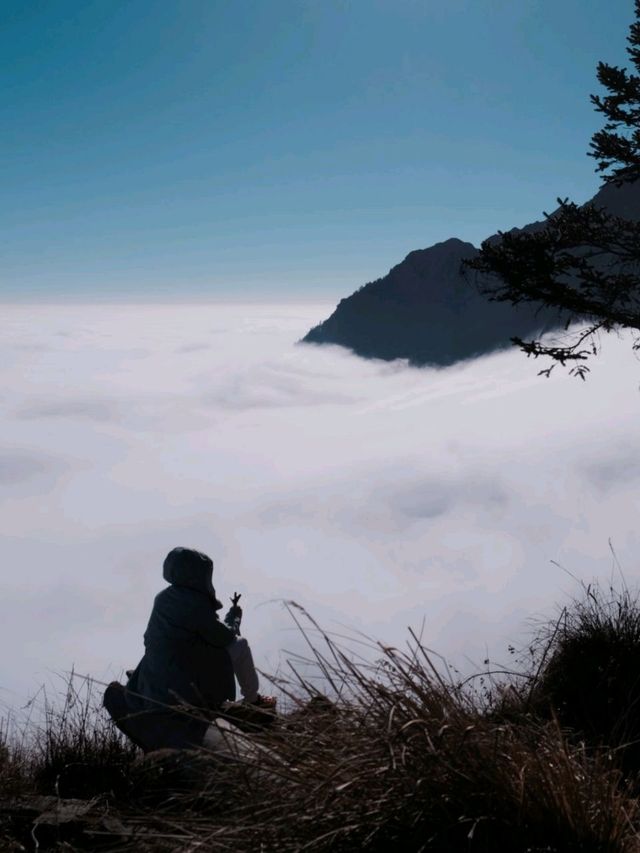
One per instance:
(267, 703)
(251, 716)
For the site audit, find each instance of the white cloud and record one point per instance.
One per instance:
(375, 494)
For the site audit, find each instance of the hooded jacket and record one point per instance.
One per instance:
(185, 660)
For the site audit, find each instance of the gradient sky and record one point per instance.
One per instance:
(276, 148)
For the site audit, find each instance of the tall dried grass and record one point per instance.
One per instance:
(406, 759)
(383, 753)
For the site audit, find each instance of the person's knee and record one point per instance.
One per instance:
(241, 644)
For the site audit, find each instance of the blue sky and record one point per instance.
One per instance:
(290, 148)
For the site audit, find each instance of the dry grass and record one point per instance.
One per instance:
(407, 760)
(77, 752)
(591, 675)
(399, 757)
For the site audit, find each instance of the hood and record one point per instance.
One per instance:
(192, 569)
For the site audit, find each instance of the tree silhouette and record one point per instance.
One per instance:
(584, 261)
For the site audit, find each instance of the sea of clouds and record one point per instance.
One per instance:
(376, 495)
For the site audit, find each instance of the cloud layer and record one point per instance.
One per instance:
(376, 495)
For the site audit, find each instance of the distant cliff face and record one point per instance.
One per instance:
(427, 311)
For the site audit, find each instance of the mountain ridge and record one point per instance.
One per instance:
(425, 310)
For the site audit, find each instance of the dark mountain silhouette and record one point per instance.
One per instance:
(427, 311)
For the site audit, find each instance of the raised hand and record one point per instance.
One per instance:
(234, 616)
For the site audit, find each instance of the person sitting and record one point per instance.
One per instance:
(190, 663)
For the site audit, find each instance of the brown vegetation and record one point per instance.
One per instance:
(401, 757)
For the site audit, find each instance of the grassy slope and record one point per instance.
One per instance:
(401, 759)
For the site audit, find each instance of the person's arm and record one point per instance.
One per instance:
(234, 615)
(209, 628)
